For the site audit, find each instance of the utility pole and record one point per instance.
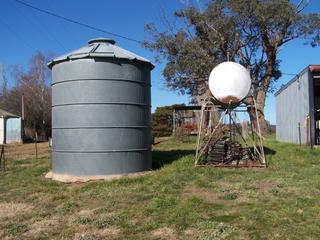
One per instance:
(22, 117)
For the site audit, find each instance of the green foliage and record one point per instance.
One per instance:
(162, 121)
(230, 196)
(99, 223)
(14, 228)
(250, 32)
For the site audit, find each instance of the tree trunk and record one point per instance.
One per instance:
(260, 101)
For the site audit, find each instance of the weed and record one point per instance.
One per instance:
(213, 230)
(14, 228)
(230, 196)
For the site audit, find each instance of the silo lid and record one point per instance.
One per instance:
(100, 47)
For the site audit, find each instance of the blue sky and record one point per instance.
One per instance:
(25, 31)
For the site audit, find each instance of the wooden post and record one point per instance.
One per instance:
(22, 117)
(2, 159)
(299, 132)
(0, 163)
(36, 145)
(174, 122)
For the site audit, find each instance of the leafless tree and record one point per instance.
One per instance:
(33, 87)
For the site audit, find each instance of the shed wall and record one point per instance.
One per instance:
(292, 108)
(13, 130)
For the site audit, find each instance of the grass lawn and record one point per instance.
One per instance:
(177, 201)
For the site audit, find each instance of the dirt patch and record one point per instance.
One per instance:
(265, 187)
(106, 233)
(190, 233)
(85, 213)
(109, 232)
(205, 195)
(164, 233)
(8, 210)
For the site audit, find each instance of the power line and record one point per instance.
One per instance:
(291, 74)
(76, 22)
(41, 25)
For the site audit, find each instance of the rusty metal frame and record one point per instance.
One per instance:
(205, 135)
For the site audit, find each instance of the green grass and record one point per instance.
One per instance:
(176, 201)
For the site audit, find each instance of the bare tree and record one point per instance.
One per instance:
(33, 86)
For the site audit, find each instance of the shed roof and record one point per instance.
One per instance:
(193, 107)
(311, 67)
(4, 113)
(100, 47)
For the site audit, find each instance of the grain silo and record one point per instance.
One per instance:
(100, 111)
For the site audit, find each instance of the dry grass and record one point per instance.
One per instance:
(176, 201)
(164, 233)
(19, 151)
(9, 210)
(44, 225)
(204, 194)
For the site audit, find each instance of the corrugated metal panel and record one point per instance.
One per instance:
(304, 71)
(292, 108)
(13, 130)
(101, 113)
(100, 48)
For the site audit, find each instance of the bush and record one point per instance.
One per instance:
(162, 121)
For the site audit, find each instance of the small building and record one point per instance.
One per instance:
(185, 118)
(298, 108)
(10, 127)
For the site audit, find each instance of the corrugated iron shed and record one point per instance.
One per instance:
(296, 108)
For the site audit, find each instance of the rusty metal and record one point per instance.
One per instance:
(219, 147)
(229, 99)
(228, 152)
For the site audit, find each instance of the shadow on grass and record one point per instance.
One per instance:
(269, 151)
(161, 158)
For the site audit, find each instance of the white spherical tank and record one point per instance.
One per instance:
(229, 83)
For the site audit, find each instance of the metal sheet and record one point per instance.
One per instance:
(101, 118)
(90, 164)
(292, 108)
(100, 48)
